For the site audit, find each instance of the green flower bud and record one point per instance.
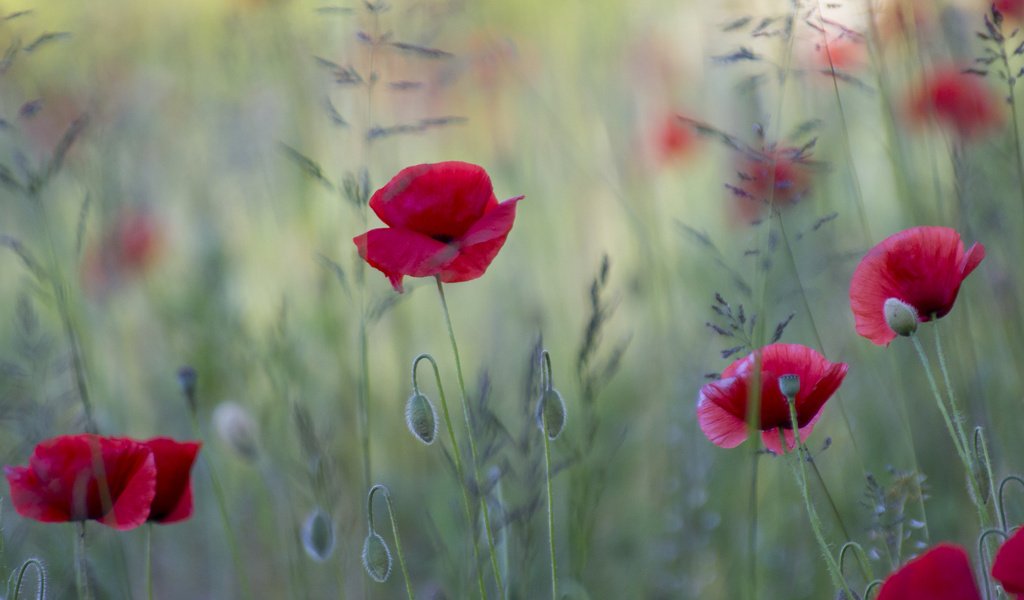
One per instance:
(421, 418)
(376, 557)
(900, 317)
(551, 408)
(789, 385)
(236, 428)
(318, 535)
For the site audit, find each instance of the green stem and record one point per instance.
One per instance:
(801, 475)
(551, 508)
(394, 532)
(459, 470)
(149, 561)
(81, 568)
(752, 531)
(222, 508)
(472, 441)
(961, 445)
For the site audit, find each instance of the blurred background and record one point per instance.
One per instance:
(180, 184)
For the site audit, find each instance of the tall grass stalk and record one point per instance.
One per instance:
(81, 566)
(472, 442)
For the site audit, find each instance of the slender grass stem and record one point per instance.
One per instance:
(81, 566)
(752, 529)
(222, 509)
(472, 441)
(459, 469)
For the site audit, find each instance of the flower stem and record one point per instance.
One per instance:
(551, 514)
(958, 442)
(752, 530)
(81, 568)
(801, 475)
(459, 470)
(394, 532)
(149, 561)
(472, 442)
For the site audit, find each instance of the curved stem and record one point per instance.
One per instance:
(862, 559)
(871, 586)
(40, 580)
(394, 531)
(551, 513)
(1002, 500)
(457, 456)
(472, 442)
(983, 557)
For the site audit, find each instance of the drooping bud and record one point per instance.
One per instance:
(551, 410)
(900, 317)
(318, 535)
(420, 418)
(789, 385)
(236, 428)
(376, 557)
(187, 378)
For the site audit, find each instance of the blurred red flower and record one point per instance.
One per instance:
(957, 100)
(174, 460)
(722, 405)
(443, 219)
(129, 247)
(1008, 568)
(942, 573)
(843, 52)
(1011, 9)
(778, 176)
(921, 266)
(673, 139)
(86, 476)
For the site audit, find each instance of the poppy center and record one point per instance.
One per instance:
(444, 239)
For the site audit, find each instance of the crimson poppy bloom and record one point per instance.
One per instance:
(922, 267)
(86, 476)
(722, 405)
(1008, 568)
(1012, 9)
(942, 573)
(173, 499)
(442, 219)
(957, 100)
(779, 176)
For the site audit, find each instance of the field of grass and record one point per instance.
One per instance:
(181, 183)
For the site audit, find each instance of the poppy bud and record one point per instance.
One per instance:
(551, 408)
(421, 418)
(236, 428)
(789, 385)
(187, 377)
(376, 557)
(318, 535)
(900, 317)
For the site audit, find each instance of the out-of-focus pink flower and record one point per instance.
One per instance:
(779, 177)
(128, 248)
(960, 101)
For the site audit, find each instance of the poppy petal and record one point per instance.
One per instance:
(399, 252)
(441, 200)
(1008, 568)
(942, 573)
(481, 243)
(174, 460)
(717, 416)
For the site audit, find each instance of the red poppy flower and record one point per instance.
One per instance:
(173, 499)
(921, 266)
(781, 176)
(942, 573)
(1012, 9)
(958, 100)
(82, 477)
(722, 405)
(443, 219)
(1008, 568)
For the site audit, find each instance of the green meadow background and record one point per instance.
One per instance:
(234, 126)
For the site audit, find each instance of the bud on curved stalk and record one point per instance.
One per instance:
(376, 557)
(318, 535)
(551, 410)
(421, 418)
(901, 317)
(237, 429)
